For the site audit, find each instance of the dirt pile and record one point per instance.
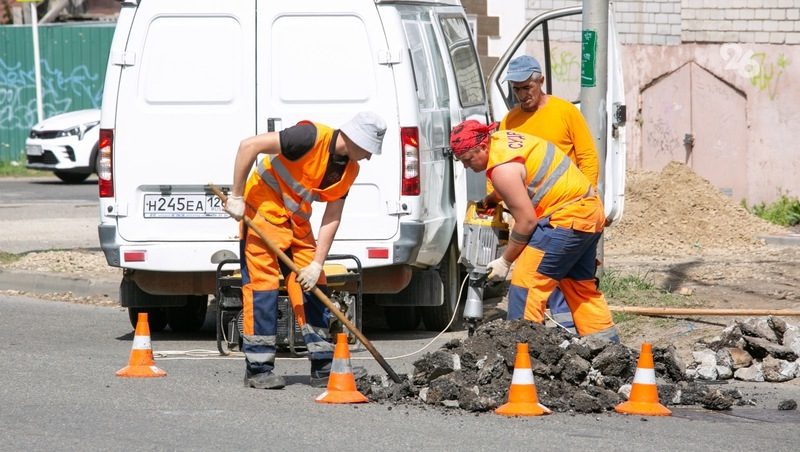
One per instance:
(756, 349)
(677, 212)
(571, 374)
(76, 262)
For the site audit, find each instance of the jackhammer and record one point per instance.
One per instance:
(485, 238)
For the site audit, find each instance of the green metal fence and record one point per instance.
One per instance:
(73, 65)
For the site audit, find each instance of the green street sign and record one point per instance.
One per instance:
(588, 58)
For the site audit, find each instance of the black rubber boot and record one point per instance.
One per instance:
(264, 380)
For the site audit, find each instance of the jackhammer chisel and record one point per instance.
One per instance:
(485, 238)
(316, 291)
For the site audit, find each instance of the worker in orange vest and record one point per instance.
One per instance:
(304, 163)
(558, 219)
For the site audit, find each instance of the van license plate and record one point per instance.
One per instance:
(190, 205)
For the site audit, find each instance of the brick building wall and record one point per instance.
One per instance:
(741, 21)
(673, 22)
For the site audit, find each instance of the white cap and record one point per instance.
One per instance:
(366, 130)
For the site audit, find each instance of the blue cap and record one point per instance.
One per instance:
(522, 68)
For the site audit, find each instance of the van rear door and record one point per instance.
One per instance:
(324, 61)
(554, 38)
(186, 99)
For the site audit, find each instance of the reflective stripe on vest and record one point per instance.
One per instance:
(299, 190)
(537, 194)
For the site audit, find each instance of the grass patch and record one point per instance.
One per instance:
(16, 169)
(638, 290)
(620, 317)
(7, 258)
(785, 211)
(615, 285)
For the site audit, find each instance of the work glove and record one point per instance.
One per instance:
(498, 269)
(235, 207)
(308, 275)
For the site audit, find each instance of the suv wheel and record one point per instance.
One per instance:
(71, 178)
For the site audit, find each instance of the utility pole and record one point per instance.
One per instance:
(37, 71)
(594, 83)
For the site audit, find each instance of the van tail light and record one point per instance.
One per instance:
(104, 174)
(409, 140)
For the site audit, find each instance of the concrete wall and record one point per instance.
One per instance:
(771, 88)
(751, 47)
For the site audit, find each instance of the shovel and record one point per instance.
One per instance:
(316, 291)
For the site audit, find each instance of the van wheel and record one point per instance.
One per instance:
(137, 300)
(191, 317)
(436, 318)
(156, 318)
(401, 317)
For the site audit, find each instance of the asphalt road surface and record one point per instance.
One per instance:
(44, 213)
(59, 392)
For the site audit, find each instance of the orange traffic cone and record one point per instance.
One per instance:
(141, 363)
(522, 397)
(644, 393)
(342, 382)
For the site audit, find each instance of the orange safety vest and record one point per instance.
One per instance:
(556, 186)
(284, 189)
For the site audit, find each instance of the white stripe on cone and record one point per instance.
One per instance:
(141, 342)
(522, 377)
(645, 376)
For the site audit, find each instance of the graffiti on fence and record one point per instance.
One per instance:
(769, 74)
(59, 88)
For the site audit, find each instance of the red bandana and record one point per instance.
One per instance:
(469, 134)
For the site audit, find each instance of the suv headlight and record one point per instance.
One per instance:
(68, 132)
(78, 131)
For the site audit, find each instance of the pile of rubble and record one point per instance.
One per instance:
(571, 374)
(757, 349)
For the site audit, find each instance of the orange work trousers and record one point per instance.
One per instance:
(564, 257)
(261, 272)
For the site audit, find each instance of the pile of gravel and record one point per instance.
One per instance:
(571, 374)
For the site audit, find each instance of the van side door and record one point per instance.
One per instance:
(467, 99)
(432, 112)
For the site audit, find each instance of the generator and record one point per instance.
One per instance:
(484, 240)
(346, 293)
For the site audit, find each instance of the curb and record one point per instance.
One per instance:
(56, 282)
(791, 239)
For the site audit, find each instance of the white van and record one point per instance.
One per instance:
(188, 79)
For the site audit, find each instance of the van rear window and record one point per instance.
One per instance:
(191, 60)
(464, 60)
(336, 65)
